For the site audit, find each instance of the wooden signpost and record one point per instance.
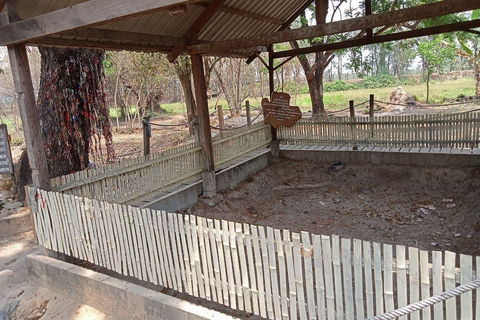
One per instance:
(279, 112)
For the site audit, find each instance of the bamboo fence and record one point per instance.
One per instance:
(130, 181)
(276, 274)
(416, 131)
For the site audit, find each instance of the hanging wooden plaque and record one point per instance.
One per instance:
(279, 112)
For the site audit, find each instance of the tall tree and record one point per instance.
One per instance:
(73, 112)
(183, 69)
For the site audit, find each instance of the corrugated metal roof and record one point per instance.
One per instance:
(237, 19)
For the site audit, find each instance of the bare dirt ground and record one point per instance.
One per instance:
(430, 208)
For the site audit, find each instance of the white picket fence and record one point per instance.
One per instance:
(415, 131)
(130, 181)
(276, 274)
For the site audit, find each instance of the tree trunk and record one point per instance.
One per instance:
(186, 81)
(428, 86)
(476, 64)
(73, 110)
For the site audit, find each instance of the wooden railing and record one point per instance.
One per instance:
(416, 131)
(276, 274)
(130, 181)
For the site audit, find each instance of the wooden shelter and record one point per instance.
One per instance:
(209, 27)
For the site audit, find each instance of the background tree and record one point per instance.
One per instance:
(436, 54)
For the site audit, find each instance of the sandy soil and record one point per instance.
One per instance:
(429, 208)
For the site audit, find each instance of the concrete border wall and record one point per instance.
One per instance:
(119, 299)
(385, 157)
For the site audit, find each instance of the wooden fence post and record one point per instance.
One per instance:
(221, 121)
(147, 134)
(352, 119)
(247, 109)
(371, 113)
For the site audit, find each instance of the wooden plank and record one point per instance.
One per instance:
(291, 274)
(401, 278)
(297, 258)
(449, 276)
(307, 252)
(175, 250)
(337, 273)
(367, 261)
(169, 272)
(156, 221)
(236, 265)
(377, 272)
(358, 279)
(272, 263)
(282, 272)
(152, 245)
(216, 266)
(207, 255)
(425, 282)
(196, 255)
(245, 285)
(329, 289)
(259, 268)
(437, 280)
(466, 299)
(251, 269)
(266, 271)
(139, 244)
(346, 249)
(477, 312)
(414, 280)
(229, 264)
(221, 260)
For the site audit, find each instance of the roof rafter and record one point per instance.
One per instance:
(93, 12)
(362, 23)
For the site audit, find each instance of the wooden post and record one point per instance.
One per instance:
(147, 134)
(371, 113)
(247, 109)
(205, 134)
(352, 119)
(22, 79)
(271, 82)
(221, 121)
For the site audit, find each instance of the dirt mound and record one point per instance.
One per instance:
(399, 96)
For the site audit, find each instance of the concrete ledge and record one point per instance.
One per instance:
(117, 298)
(15, 224)
(385, 157)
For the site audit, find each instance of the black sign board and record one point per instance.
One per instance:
(6, 164)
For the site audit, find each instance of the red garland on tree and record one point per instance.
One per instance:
(73, 110)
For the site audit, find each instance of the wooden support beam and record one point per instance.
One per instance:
(195, 29)
(113, 35)
(362, 23)
(93, 12)
(22, 79)
(460, 26)
(286, 24)
(205, 134)
(271, 82)
(368, 11)
(71, 43)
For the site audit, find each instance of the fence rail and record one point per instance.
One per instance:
(130, 181)
(416, 131)
(276, 274)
